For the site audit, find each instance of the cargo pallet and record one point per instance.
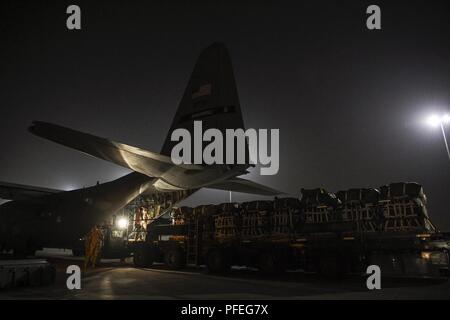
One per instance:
(319, 233)
(27, 272)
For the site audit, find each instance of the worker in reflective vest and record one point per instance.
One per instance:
(93, 245)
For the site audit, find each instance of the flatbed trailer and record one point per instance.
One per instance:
(331, 254)
(317, 233)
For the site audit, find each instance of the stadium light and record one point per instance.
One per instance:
(439, 121)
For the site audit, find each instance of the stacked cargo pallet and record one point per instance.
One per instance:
(286, 215)
(397, 207)
(226, 220)
(319, 206)
(394, 207)
(181, 214)
(361, 207)
(403, 206)
(256, 219)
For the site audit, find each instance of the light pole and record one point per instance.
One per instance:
(436, 121)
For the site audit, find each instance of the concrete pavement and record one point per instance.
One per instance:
(114, 280)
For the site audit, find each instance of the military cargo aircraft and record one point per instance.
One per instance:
(38, 217)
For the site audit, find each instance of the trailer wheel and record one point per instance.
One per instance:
(142, 256)
(270, 263)
(175, 258)
(217, 261)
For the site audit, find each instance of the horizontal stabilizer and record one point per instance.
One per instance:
(139, 160)
(14, 191)
(245, 186)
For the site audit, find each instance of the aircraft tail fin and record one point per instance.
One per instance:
(210, 96)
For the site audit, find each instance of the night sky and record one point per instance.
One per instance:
(350, 103)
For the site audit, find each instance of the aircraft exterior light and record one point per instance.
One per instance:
(122, 223)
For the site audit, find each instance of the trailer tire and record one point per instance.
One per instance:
(271, 264)
(175, 258)
(217, 261)
(143, 256)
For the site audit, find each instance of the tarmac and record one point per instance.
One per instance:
(120, 280)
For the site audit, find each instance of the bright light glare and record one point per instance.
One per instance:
(425, 255)
(122, 223)
(445, 118)
(434, 121)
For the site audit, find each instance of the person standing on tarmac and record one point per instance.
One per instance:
(93, 245)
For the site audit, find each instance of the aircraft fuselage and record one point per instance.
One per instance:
(60, 219)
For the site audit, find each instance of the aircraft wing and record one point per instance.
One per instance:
(14, 191)
(146, 162)
(245, 186)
